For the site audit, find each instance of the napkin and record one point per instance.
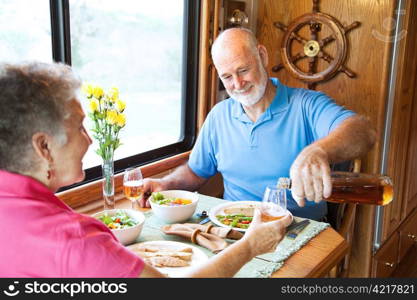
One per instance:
(213, 238)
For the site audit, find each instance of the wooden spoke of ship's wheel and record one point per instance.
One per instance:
(342, 68)
(326, 40)
(294, 59)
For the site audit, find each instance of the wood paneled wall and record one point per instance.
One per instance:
(368, 57)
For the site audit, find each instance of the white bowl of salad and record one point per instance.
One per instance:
(126, 224)
(173, 206)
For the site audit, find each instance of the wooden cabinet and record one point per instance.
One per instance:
(396, 247)
(386, 260)
(408, 235)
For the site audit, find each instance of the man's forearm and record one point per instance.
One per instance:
(352, 139)
(183, 178)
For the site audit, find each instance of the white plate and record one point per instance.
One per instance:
(198, 257)
(219, 210)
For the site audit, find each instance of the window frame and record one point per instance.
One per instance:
(61, 49)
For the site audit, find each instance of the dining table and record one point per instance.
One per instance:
(314, 259)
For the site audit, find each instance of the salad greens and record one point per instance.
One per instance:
(120, 220)
(160, 199)
(235, 220)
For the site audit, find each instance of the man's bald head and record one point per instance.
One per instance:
(234, 38)
(241, 64)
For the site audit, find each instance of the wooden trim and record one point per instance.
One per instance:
(213, 71)
(207, 97)
(91, 192)
(203, 87)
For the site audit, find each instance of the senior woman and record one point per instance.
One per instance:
(42, 143)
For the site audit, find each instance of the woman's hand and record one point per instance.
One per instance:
(310, 175)
(264, 237)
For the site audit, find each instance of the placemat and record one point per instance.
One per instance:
(261, 266)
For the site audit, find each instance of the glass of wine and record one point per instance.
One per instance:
(133, 184)
(274, 204)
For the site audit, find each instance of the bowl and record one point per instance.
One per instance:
(175, 213)
(127, 235)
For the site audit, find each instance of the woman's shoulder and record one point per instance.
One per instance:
(85, 225)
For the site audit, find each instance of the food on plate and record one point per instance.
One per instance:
(166, 261)
(182, 255)
(246, 210)
(237, 216)
(235, 220)
(160, 199)
(164, 255)
(120, 220)
(157, 248)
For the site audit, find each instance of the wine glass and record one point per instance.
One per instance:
(133, 184)
(274, 204)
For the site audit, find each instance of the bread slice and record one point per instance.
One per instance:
(247, 210)
(157, 248)
(182, 255)
(166, 261)
(163, 255)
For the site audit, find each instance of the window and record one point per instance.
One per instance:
(25, 31)
(148, 49)
(137, 47)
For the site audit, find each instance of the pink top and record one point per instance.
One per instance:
(40, 236)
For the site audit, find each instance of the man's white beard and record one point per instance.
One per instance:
(256, 95)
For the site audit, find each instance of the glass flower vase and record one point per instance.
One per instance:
(108, 183)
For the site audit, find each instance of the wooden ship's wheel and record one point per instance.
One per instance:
(313, 48)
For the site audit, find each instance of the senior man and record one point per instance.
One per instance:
(266, 130)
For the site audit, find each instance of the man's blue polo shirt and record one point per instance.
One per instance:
(251, 155)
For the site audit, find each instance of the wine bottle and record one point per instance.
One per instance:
(356, 188)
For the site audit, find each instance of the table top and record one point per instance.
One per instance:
(315, 259)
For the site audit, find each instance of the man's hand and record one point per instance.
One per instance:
(150, 185)
(183, 178)
(310, 175)
(264, 237)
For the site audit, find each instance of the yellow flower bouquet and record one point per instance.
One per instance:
(106, 112)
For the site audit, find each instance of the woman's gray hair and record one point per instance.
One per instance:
(33, 99)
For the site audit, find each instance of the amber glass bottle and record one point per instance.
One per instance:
(357, 188)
